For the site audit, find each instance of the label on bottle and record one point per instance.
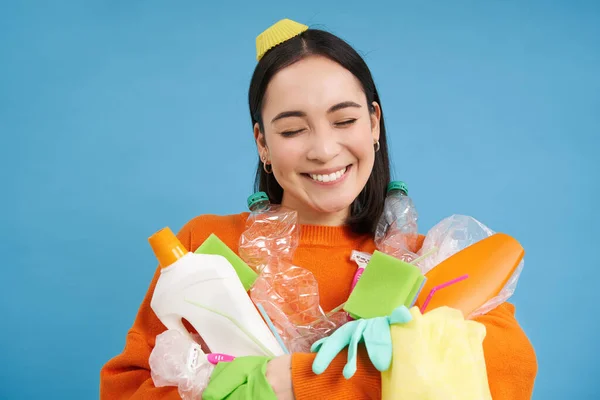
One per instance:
(194, 357)
(361, 258)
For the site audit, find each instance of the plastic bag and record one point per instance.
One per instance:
(506, 292)
(437, 356)
(176, 360)
(456, 233)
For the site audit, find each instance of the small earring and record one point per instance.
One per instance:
(268, 171)
(376, 144)
(263, 158)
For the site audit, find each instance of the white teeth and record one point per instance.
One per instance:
(330, 177)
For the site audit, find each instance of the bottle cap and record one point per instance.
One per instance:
(276, 34)
(167, 248)
(257, 198)
(397, 185)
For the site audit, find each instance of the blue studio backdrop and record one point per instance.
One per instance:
(120, 118)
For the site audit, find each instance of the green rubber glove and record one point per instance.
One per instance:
(374, 332)
(241, 379)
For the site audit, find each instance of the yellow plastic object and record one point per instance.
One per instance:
(167, 248)
(488, 263)
(276, 34)
(437, 356)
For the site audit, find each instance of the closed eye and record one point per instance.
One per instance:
(345, 122)
(290, 133)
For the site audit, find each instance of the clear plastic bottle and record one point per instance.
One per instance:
(289, 294)
(271, 236)
(397, 230)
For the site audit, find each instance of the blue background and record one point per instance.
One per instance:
(120, 117)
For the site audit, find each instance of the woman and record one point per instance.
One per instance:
(321, 140)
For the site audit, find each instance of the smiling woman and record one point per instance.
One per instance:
(330, 135)
(319, 127)
(318, 124)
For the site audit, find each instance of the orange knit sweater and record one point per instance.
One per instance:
(510, 358)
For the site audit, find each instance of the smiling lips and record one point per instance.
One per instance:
(331, 177)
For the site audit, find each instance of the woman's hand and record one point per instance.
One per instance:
(279, 375)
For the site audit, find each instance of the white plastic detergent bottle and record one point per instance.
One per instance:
(205, 290)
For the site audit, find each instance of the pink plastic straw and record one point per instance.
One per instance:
(439, 287)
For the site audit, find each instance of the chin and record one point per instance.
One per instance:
(332, 207)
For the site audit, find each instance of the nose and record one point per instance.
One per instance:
(324, 145)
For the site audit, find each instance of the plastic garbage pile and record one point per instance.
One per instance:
(257, 305)
(397, 234)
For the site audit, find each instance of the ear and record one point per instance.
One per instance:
(375, 118)
(261, 142)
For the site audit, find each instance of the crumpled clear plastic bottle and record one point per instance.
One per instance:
(397, 231)
(454, 234)
(288, 293)
(176, 360)
(271, 233)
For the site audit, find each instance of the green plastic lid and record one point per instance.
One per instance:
(397, 185)
(257, 198)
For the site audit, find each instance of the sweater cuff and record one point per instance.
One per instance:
(365, 384)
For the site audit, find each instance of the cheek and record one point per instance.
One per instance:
(285, 156)
(360, 142)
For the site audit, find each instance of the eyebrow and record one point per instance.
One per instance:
(340, 106)
(334, 108)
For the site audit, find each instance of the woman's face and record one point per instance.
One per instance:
(319, 135)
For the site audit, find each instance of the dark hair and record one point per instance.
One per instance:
(368, 206)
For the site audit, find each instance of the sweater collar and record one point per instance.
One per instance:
(324, 236)
(329, 236)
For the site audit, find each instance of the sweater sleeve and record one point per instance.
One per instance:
(509, 356)
(510, 361)
(127, 376)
